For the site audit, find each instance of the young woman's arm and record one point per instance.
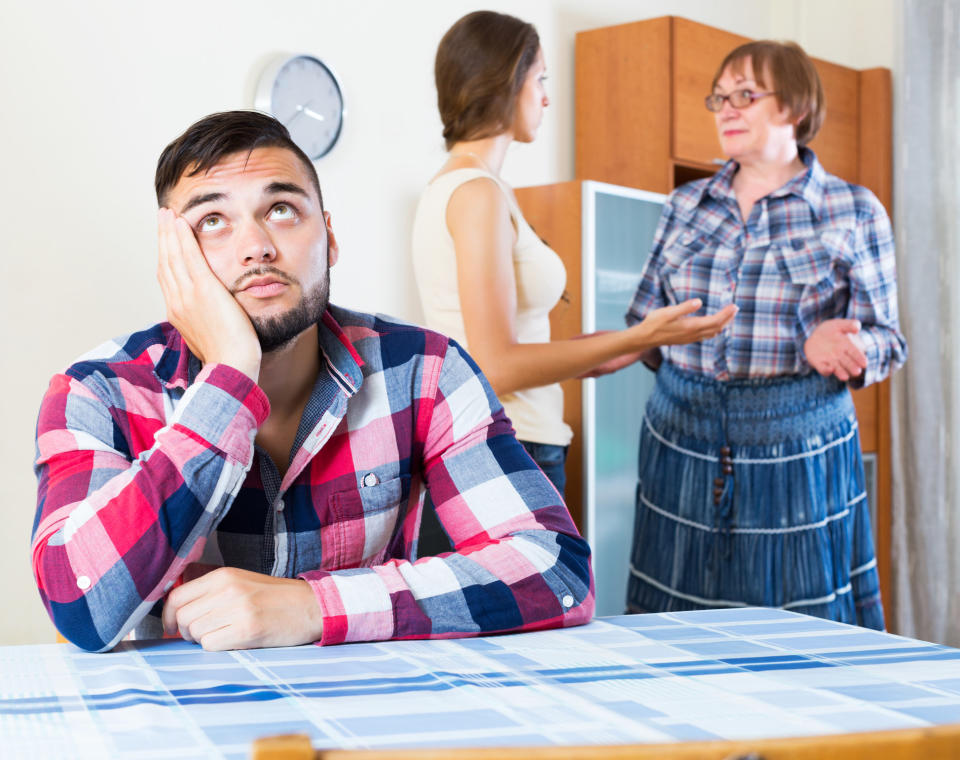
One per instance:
(478, 218)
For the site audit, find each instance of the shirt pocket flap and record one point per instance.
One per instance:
(368, 499)
(807, 261)
(364, 522)
(685, 247)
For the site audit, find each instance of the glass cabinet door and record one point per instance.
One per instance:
(619, 224)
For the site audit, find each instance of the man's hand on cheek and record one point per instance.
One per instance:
(214, 325)
(230, 608)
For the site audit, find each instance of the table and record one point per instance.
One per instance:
(727, 674)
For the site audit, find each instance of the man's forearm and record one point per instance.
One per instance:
(115, 527)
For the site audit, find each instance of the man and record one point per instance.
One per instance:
(252, 473)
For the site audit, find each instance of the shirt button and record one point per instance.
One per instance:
(280, 505)
(83, 582)
(370, 479)
(567, 601)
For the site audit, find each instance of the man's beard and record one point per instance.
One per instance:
(277, 331)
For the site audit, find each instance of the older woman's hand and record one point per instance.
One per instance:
(834, 348)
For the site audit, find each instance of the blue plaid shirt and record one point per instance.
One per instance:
(818, 248)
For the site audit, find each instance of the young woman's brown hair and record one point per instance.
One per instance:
(481, 65)
(795, 80)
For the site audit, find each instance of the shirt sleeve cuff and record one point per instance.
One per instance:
(355, 606)
(874, 371)
(224, 408)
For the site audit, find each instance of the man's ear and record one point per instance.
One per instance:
(333, 250)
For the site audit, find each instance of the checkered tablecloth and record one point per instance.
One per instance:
(727, 674)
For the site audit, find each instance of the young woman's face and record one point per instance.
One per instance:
(531, 101)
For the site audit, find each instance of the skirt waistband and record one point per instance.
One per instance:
(753, 412)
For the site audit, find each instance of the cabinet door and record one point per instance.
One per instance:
(697, 51)
(623, 104)
(837, 144)
(623, 223)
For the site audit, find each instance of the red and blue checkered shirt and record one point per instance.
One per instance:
(816, 249)
(146, 463)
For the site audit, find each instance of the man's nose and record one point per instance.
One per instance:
(256, 245)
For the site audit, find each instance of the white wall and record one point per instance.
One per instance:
(91, 92)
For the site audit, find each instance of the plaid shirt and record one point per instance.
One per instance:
(816, 249)
(146, 463)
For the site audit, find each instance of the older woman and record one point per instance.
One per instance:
(485, 277)
(751, 485)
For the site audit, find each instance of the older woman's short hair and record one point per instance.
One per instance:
(795, 80)
(482, 62)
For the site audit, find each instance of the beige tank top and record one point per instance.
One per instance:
(536, 413)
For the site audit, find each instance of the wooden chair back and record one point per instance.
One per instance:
(935, 743)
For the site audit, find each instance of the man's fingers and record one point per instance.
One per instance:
(179, 275)
(221, 639)
(207, 617)
(196, 265)
(163, 247)
(179, 598)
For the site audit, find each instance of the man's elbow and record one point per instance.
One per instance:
(74, 623)
(74, 619)
(577, 571)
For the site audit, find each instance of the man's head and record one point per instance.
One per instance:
(252, 199)
(207, 142)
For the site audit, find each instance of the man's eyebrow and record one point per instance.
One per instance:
(285, 187)
(199, 200)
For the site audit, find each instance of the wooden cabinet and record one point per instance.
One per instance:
(696, 51)
(623, 93)
(641, 122)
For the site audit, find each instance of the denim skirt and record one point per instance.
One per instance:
(751, 492)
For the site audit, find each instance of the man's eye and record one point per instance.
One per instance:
(210, 223)
(283, 211)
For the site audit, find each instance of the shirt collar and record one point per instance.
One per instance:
(719, 187)
(807, 185)
(178, 367)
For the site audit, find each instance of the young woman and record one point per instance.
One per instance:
(484, 276)
(751, 486)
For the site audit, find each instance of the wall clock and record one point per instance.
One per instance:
(303, 94)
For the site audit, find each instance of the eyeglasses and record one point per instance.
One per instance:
(737, 98)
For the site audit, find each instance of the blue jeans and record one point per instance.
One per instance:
(550, 458)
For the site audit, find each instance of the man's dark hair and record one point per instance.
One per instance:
(207, 142)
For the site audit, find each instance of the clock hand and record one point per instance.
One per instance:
(310, 112)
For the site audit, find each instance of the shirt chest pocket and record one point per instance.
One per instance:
(811, 262)
(363, 524)
(694, 266)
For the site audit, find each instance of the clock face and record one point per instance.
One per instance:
(305, 96)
